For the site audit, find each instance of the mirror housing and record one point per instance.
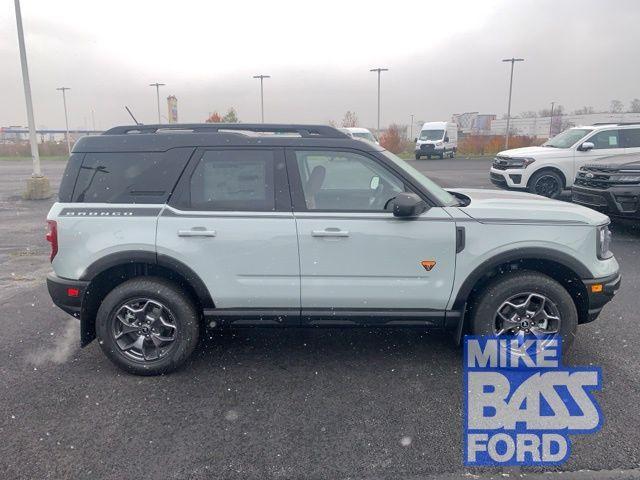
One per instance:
(415, 139)
(586, 146)
(407, 205)
(446, 139)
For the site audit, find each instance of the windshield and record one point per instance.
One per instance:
(366, 135)
(431, 134)
(568, 138)
(436, 190)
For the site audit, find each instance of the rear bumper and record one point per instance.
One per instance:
(620, 201)
(600, 291)
(66, 294)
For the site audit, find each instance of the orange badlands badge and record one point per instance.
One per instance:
(428, 264)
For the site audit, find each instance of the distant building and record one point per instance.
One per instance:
(473, 123)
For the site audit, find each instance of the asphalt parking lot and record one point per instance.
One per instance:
(267, 403)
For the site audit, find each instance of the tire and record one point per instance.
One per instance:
(546, 183)
(417, 156)
(519, 284)
(452, 154)
(168, 312)
(428, 157)
(441, 155)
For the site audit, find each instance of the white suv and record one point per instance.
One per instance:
(549, 169)
(157, 235)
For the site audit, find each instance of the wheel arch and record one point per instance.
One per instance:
(549, 168)
(112, 270)
(568, 271)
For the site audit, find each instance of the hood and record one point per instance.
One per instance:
(534, 152)
(498, 206)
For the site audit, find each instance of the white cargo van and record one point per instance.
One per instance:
(437, 139)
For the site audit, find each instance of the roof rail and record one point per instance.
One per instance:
(616, 123)
(314, 131)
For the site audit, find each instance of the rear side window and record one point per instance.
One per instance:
(630, 137)
(238, 180)
(140, 177)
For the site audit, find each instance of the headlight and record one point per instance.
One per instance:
(520, 162)
(604, 242)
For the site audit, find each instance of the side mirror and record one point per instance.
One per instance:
(374, 183)
(586, 146)
(446, 139)
(415, 139)
(408, 205)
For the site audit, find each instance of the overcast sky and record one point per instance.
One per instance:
(443, 58)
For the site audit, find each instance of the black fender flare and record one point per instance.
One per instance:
(520, 254)
(148, 257)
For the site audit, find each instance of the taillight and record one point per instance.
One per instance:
(52, 237)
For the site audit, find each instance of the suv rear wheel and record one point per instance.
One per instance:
(546, 183)
(147, 326)
(520, 303)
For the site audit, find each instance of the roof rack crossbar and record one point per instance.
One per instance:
(314, 131)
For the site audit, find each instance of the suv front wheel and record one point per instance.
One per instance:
(546, 183)
(147, 326)
(519, 303)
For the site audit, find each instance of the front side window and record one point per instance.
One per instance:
(238, 180)
(364, 135)
(431, 134)
(568, 138)
(605, 139)
(345, 181)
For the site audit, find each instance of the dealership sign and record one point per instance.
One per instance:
(521, 404)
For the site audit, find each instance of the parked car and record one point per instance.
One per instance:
(437, 139)
(158, 235)
(551, 168)
(612, 187)
(360, 133)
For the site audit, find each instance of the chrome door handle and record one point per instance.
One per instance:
(330, 232)
(197, 232)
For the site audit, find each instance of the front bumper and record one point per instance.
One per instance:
(600, 291)
(67, 294)
(617, 200)
(511, 178)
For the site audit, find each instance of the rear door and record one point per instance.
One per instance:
(230, 221)
(360, 264)
(630, 138)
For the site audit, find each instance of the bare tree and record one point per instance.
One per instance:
(584, 111)
(616, 106)
(634, 106)
(350, 119)
(529, 114)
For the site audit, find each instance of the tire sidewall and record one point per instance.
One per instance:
(181, 307)
(510, 284)
(538, 175)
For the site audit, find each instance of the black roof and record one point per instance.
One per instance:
(158, 138)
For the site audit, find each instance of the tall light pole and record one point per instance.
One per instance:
(379, 70)
(38, 185)
(66, 117)
(158, 85)
(513, 61)
(551, 118)
(411, 134)
(262, 77)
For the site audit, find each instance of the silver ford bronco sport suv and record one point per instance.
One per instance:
(163, 231)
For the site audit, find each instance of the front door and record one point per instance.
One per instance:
(230, 221)
(605, 144)
(359, 264)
